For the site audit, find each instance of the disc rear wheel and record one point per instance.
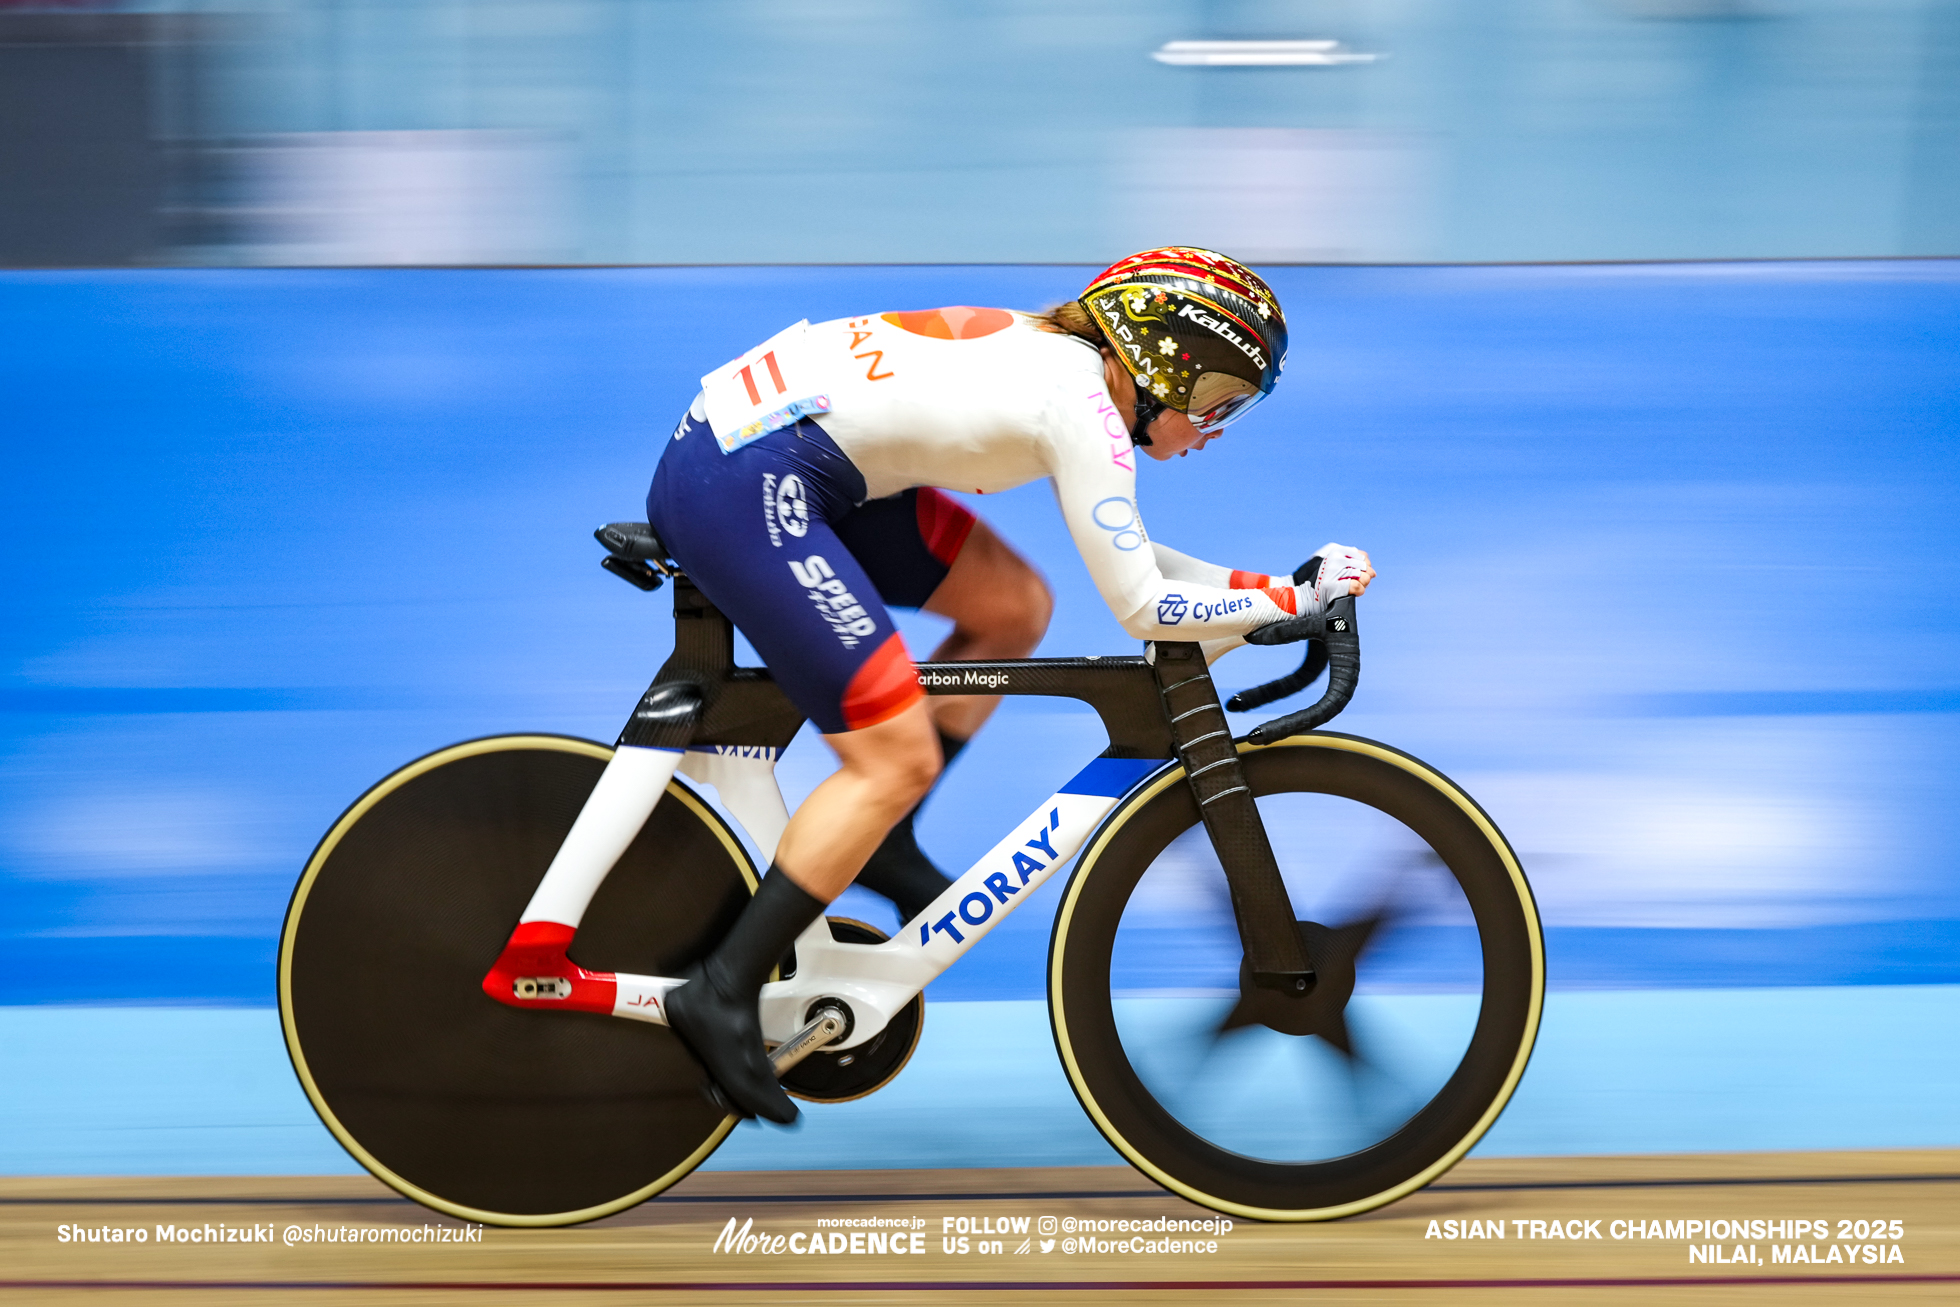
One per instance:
(481, 1110)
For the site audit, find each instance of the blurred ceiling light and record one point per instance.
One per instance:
(1259, 54)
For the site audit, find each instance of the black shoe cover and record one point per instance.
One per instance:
(715, 1012)
(725, 1032)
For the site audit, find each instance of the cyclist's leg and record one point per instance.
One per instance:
(885, 767)
(1000, 606)
(789, 583)
(924, 549)
(884, 770)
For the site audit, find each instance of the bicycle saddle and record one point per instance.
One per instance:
(630, 540)
(634, 553)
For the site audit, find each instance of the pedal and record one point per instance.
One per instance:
(829, 1023)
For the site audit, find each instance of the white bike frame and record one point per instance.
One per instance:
(876, 981)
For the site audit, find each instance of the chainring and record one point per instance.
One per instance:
(840, 1077)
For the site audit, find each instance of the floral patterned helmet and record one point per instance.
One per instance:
(1201, 333)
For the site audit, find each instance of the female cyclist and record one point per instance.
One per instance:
(801, 493)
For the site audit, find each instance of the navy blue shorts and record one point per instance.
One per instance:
(777, 537)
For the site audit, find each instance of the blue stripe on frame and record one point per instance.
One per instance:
(1111, 778)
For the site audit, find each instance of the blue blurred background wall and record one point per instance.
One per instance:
(1000, 131)
(1667, 582)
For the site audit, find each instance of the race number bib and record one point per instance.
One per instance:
(768, 388)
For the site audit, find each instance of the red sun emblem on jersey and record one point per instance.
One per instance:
(956, 323)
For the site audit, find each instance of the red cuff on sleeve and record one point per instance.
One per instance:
(1250, 580)
(1283, 596)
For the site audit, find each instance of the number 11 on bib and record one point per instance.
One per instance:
(764, 390)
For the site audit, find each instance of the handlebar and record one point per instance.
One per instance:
(1333, 642)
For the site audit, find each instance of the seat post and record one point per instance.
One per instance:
(704, 639)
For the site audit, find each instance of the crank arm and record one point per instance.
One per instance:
(827, 1025)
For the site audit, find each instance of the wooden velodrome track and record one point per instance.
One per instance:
(663, 1250)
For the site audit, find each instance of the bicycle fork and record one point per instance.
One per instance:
(1276, 954)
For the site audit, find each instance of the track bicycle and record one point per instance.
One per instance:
(1293, 975)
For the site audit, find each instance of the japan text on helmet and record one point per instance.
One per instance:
(1201, 333)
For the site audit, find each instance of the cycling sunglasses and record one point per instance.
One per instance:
(1225, 412)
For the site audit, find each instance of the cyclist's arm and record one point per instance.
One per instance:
(1183, 567)
(1095, 484)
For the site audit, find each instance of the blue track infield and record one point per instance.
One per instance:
(190, 1091)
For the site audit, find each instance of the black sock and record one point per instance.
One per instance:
(899, 868)
(769, 924)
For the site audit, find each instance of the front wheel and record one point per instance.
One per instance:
(1431, 978)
